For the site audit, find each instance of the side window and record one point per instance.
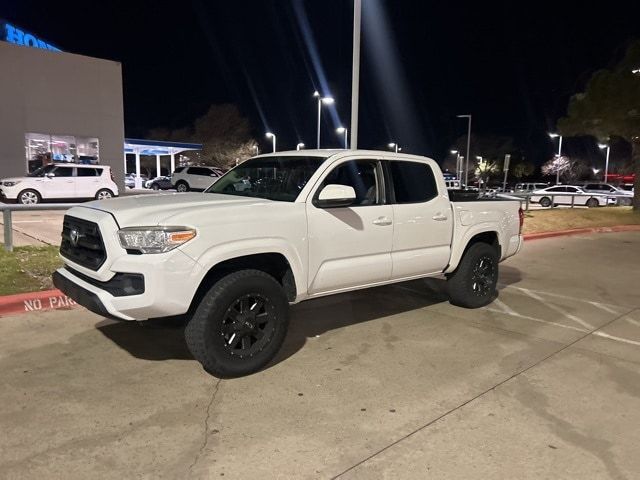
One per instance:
(179, 169)
(571, 189)
(87, 172)
(362, 175)
(556, 189)
(63, 172)
(413, 182)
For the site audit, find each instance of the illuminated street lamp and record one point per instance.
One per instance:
(299, 146)
(257, 149)
(393, 145)
(466, 168)
(555, 135)
(273, 139)
(345, 131)
(606, 162)
(321, 100)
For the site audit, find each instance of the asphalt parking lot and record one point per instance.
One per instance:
(388, 383)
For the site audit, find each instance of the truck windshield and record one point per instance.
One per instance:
(272, 178)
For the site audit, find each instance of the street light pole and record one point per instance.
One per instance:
(345, 131)
(606, 162)
(466, 168)
(555, 135)
(321, 100)
(355, 73)
(273, 140)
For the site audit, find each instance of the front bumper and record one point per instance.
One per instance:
(128, 286)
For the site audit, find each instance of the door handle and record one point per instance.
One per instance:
(440, 217)
(382, 221)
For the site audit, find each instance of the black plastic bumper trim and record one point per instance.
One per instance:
(120, 285)
(82, 296)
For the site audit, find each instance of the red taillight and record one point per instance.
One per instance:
(521, 215)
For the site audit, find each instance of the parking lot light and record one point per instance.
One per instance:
(393, 145)
(554, 136)
(300, 146)
(273, 139)
(345, 131)
(321, 101)
(606, 162)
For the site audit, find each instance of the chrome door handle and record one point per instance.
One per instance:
(382, 221)
(440, 217)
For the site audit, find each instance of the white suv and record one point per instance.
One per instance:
(57, 181)
(185, 179)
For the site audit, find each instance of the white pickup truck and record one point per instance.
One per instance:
(279, 229)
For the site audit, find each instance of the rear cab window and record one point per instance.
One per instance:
(413, 182)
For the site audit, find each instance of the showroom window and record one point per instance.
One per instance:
(45, 148)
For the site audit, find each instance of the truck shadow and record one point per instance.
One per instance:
(163, 339)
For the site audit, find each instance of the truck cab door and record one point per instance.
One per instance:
(350, 246)
(423, 220)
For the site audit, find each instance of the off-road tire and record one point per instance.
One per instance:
(464, 284)
(205, 333)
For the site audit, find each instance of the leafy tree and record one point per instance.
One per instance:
(223, 132)
(610, 105)
(485, 169)
(570, 169)
(523, 169)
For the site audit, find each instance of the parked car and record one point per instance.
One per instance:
(185, 179)
(529, 187)
(57, 181)
(159, 183)
(326, 222)
(452, 183)
(130, 180)
(618, 195)
(573, 196)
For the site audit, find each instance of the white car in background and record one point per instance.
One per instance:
(549, 196)
(60, 182)
(616, 194)
(185, 179)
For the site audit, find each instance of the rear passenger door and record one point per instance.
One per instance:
(423, 223)
(201, 177)
(60, 183)
(87, 182)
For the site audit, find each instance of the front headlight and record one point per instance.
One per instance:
(11, 184)
(154, 239)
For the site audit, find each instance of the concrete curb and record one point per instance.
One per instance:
(34, 302)
(55, 299)
(576, 231)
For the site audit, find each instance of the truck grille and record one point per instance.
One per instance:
(82, 243)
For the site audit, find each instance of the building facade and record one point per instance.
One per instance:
(57, 107)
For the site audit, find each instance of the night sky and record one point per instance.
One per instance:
(513, 65)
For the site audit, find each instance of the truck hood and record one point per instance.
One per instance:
(148, 210)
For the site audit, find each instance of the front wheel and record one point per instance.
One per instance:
(239, 325)
(104, 194)
(592, 203)
(155, 186)
(473, 284)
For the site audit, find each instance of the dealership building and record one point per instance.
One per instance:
(67, 108)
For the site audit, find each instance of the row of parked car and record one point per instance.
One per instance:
(183, 179)
(595, 194)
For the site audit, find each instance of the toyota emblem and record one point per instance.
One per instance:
(75, 236)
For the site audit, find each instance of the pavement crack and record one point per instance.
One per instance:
(205, 439)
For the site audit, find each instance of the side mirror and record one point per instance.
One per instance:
(50, 175)
(334, 195)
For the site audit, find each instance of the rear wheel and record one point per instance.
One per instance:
(239, 325)
(473, 284)
(182, 187)
(29, 197)
(155, 186)
(104, 194)
(545, 202)
(592, 202)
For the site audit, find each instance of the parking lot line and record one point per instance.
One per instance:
(617, 339)
(535, 296)
(534, 319)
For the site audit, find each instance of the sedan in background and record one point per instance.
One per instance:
(159, 183)
(567, 195)
(618, 195)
